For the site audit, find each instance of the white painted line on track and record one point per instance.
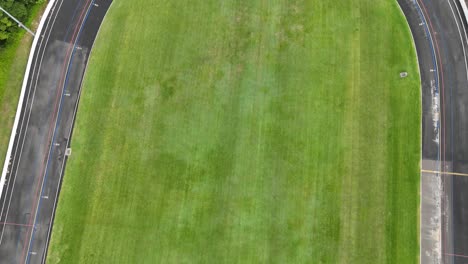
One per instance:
(23, 90)
(62, 89)
(21, 127)
(62, 170)
(22, 122)
(460, 35)
(464, 8)
(445, 173)
(461, 19)
(436, 70)
(27, 77)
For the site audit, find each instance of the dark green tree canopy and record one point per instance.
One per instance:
(18, 8)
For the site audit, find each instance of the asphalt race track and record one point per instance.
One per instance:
(48, 112)
(440, 33)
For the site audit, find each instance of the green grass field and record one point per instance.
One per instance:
(245, 132)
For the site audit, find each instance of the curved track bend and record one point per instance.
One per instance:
(45, 126)
(440, 34)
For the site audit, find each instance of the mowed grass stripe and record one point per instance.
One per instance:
(245, 132)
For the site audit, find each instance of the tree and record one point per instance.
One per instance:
(5, 24)
(19, 9)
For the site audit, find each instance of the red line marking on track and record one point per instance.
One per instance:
(15, 224)
(51, 126)
(456, 255)
(442, 136)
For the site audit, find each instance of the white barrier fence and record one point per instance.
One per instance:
(465, 8)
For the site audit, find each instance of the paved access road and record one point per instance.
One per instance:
(440, 33)
(48, 112)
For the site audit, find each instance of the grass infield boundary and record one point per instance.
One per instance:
(420, 131)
